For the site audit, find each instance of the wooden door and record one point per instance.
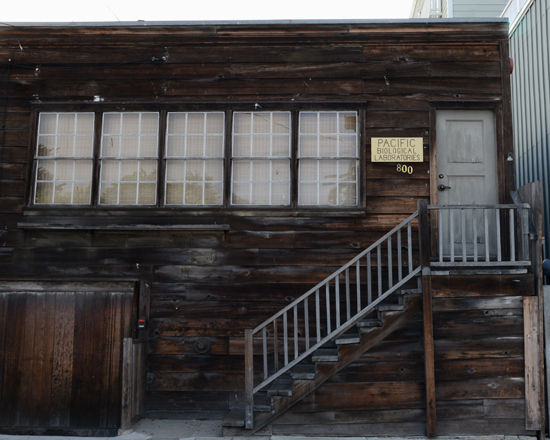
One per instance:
(61, 359)
(466, 172)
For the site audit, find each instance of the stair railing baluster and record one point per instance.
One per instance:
(499, 244)
(399, 257)
(439, 231)
(275, 347)
(358, 277)
(337, 299)
(264, 340)
(348, 297)
(369, 278)
(296, 332)
(329, 329)
(379, 265)
(306, 322)
(463, 232)
(452, 234)
(390, 264)
(410, 246)
(285, 338)
(487, 240)
(317, 315)
(474, 221)
(512, 236)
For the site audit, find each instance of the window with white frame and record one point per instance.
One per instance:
(194, 158)
(327, 158)
(266, 164)
(129, 158)
(261, 155)
(64, 158)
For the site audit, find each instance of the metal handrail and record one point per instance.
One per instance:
(472, 235)
(386, 284)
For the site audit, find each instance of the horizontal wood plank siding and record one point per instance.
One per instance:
(214, 284)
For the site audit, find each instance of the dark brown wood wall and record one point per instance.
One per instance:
(214, 284)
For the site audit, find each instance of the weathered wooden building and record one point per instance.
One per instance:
(167, 188)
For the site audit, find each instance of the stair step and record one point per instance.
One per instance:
(304, 372)
(369, 323)
(390, 307)
(235, 419)
(325, 355)
(262, 403)
(281, 387)
(347, 339)
(409, 291)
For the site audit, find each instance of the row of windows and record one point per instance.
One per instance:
(195, 158)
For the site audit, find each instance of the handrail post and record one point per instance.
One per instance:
(425, 248)
(249, 379)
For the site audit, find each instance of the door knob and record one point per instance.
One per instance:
(443, 187)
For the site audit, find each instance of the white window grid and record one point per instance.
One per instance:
(341, 179)
(142, 160)
(186, 157)
(44, 161)
(255, 160)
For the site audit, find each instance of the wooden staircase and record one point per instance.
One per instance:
(350, 317)
(324, 363)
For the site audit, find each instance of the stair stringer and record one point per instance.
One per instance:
(326, 370)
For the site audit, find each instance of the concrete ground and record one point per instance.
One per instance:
(157, 429)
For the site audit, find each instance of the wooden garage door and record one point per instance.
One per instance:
(61, 358)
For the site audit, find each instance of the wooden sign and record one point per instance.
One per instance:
(397, 150)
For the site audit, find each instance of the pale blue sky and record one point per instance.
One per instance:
(183, 10)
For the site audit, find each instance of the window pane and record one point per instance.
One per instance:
(48, 123)
(281, 122)
(63, 192)
(214, 146)
(64, 170)
(324, 138)
(174, 193)
(308, 122)
(242, 123)
(62, 138)
(213, 193)
(215, 123)
(46, 146)
(195, 122)
(44, 192)
(262, 135)
(186, 182)
(82, 193)
(175, 146)
(328, 122)
(126, 180)
(130, 123)
(195, 146)
(149, 123)
(66, 123)
(111, 123)
(241, 194)
(241, 146)
(84, 123)
(194, 135)
(176, 123)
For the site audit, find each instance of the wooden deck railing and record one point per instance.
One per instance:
(482, 235)
(375, 279)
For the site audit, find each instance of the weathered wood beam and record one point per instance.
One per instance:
(424, 238)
